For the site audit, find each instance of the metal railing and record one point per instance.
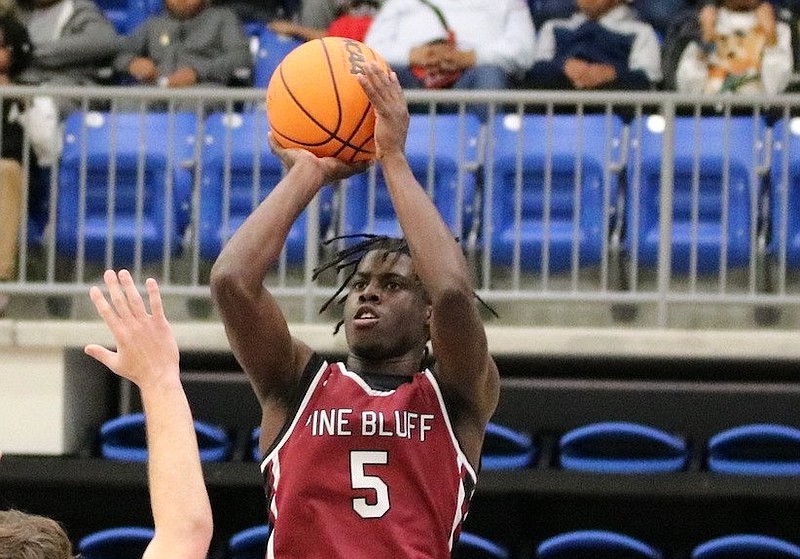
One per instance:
(647, 205)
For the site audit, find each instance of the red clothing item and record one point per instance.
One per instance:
(350, 27)
(363, 473)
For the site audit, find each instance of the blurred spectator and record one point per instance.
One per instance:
(465, 44)
(72, 40)
(352, 21)
(318, 14)
(543, 10)
(660, 13)
(603, 46)
(743, 49)
(15, 55)
(188, 44)
(262, 11)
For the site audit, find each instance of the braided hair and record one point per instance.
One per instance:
(350, 257)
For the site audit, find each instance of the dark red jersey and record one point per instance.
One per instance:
(367, 473)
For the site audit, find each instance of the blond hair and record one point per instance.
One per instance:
(30, 536)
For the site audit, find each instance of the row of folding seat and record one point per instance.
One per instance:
(543, 192)
(618, 447)
(129, 542)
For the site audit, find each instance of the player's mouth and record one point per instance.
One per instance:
(365, 316)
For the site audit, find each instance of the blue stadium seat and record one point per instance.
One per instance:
(565, 163)
(125, 15)
(473, 546)
(505, 448)
(595, 544)
(125, 542)
(786, 154)
(708, 150)
(763, 449)
(255, 450)
(746, 546)
(236, 145)
(250, 543)
(272, 48)
(621, 447)
(123, 438)
(443, 152)
(145, 205)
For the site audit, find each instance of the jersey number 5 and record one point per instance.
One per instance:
(360, 480)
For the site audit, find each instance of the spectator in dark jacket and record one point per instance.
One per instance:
(602, 46)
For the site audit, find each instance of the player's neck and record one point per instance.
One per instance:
(403, 365)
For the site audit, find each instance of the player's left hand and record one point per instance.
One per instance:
(147, 352)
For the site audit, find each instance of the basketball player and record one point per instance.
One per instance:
(376, 456)
(147, 355)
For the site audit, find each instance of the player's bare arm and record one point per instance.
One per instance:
(464, 367)
(256, 327)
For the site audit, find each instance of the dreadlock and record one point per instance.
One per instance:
(350, 257)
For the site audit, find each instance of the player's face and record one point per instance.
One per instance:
(386, 311)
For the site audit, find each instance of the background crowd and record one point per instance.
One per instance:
(692, 46)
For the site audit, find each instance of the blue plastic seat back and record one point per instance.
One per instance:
(746, 546)
(124, 15)
(250, 543)
(124, 438)
(550, 186)
(473, 546)
(622, 447)
(505, 448)
(785, 193)
(756, 449)
(238, 171)
(708, 152)
(136, 168)
(125, 542)
(442, 151)
(595, 544)
(255, 450)
(272, 48)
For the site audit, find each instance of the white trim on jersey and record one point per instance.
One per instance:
(312, 386)
(461, 456)
(362, 383)
(461, 459)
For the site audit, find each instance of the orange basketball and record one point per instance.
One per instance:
(315, 102)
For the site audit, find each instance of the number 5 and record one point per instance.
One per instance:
(359, 480)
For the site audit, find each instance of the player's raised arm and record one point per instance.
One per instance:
(463, 365)
(255, 325)
(147, 354)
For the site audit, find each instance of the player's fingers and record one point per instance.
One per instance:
(117, 296)
(135, 302)
(101, 354)
(156, 306)
(104, 309)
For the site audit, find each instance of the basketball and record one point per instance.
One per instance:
(315, 102)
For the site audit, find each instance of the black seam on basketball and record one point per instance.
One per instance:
(356, 128)
(309, 115)
(335, 88)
